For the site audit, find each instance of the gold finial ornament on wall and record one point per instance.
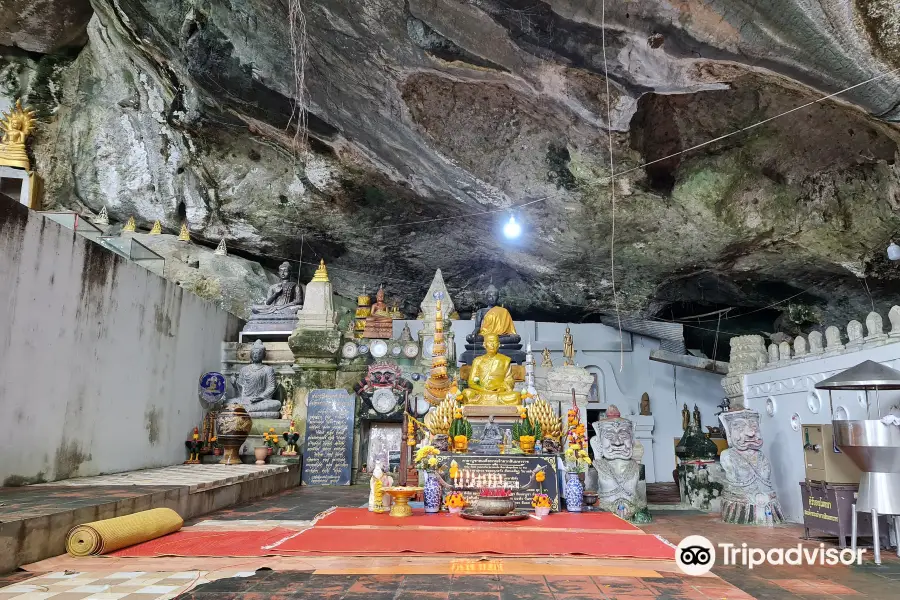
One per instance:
(17, 124)
(185, 235)
(130, 225)
(157, 228)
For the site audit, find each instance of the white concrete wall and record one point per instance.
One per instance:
(791, 387)
(622, 376)
(99, 357)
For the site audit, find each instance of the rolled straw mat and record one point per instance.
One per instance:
(109, 535)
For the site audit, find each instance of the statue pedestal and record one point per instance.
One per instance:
(643, 434)
(700, 484)
(559, 383)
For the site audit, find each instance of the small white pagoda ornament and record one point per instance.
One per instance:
(221, 249)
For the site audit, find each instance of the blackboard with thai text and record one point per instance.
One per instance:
(515, 471)
(328, 448)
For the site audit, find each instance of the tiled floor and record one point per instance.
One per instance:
(438, 578)
(284, 585)
(127, 585)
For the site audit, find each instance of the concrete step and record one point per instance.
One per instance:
(35, 519)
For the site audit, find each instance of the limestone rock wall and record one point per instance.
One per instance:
(429, 109)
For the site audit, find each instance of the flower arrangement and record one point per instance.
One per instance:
(576, 459)
(526, 431)
(215, 446)
(540, 501)
(460, 430)
(427, 458)
(270, 439)
(455, 502)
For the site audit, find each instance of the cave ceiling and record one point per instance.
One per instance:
(423, 113)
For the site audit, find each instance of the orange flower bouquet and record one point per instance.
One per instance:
(455, 502)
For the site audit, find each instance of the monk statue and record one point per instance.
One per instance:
(496, 320)
(278, 311)
(255, 385)
(491, 438)
(491, 379)
(283, 297)
(748, 496)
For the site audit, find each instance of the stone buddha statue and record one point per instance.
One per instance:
(620, 489)
(490, 379)
(278, 311)
(283, 297)
(255, 385)
(495, 320)
(748, 496)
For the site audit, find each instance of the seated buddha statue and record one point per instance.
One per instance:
(494, 320)
(379, 324)
(490, 380)
(255, 385)
(278, 311)
(284, 297)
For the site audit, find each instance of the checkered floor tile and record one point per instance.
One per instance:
(127, 585)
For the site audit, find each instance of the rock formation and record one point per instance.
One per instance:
(423, 109)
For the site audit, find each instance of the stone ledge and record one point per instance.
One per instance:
(39, 530)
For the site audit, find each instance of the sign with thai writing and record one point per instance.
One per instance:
(515, 471)
(328, 448)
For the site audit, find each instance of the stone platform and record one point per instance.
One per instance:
(35, 519)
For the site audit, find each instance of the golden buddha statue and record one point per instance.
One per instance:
(16, 125)
(491, 379)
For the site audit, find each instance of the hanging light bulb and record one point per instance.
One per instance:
(512, 230)
(893, 251)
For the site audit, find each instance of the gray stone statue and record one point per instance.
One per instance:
(748, 496)
(619, 486)
(255, 386)
(491, 438)
(283, 297)
(278, 311)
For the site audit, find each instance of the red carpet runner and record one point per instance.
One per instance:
(351, 517)
(357, 532)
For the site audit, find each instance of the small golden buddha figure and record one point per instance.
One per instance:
(16, 125)
(491, 379)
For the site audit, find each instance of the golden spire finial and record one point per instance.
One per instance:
(185, 235)
(157, 228)
(16, 125)
(130, 225)
(321, 272)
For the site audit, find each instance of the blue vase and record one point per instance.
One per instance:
(432, 493)
(574, 493)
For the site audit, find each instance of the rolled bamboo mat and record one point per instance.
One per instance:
(101, 537)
